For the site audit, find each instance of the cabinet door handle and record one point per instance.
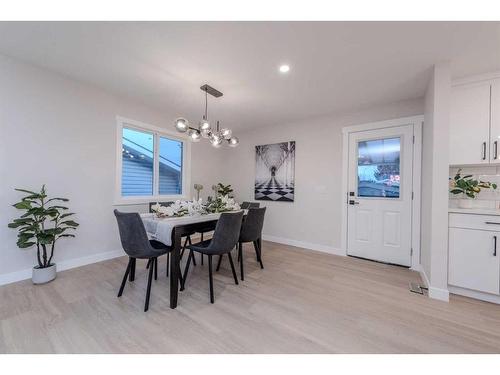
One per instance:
(494, 246)
(495, 148)
(491, 222)
(484, 150)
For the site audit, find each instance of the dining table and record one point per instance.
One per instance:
(170, 230)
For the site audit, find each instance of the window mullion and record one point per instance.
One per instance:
(156, 165)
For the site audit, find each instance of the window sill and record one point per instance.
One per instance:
(145, 200)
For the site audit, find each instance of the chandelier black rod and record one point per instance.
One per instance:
(206, 104)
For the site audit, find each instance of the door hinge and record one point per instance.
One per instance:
(411, 251)
(412, 195)
(413, 139)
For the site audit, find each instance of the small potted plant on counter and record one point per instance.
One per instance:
(42, 224)
(468, 187)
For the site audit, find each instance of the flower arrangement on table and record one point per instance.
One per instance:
(179, 208)
(196, 207)
(221, 204)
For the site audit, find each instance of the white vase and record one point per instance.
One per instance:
(44, 275)
(466, 203)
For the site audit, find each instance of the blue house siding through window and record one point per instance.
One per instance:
(137, 174)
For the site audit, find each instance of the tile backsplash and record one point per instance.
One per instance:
(489, 198)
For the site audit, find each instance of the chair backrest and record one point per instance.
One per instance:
(165, 204)
(133, 235)
(247, 205)
(227, 231)
(251, 229)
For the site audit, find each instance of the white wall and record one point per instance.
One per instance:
(61, 133)
(314, 219)
(435, 169)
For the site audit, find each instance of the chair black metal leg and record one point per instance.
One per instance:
(148, 291)
(184, 278)
(168, 262)
(240, 256)
(120, 292)
(180, 277)
(184, 247)
(239, 252)
(219, 262)
(147, 265)
(210, 277)
(132, 270)
(194, 259)
(258, 253)
(201, 255)
(232, 268)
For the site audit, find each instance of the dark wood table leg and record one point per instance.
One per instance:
(174, 267)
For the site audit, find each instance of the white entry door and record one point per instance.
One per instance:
(380, 194)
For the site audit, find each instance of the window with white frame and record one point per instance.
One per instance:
(151, 162)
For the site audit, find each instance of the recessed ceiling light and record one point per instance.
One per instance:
(284, 68)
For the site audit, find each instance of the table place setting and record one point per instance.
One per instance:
(160, 223)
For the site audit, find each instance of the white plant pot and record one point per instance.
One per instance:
(44, 275)
(466, 203)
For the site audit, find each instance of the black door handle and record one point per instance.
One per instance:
(495, 148)
(494, 246)
(484, 150)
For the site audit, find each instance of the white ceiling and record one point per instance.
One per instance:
(335, 66)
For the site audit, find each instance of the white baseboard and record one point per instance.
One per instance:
(434, 293)
(305, 245)
(12, 277)
(440, 294)
(474, 294)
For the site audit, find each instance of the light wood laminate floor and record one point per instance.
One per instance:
(302, 302)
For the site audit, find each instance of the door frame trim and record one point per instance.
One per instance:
(417, 122)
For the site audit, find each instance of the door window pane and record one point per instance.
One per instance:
(137, 163)
(170, 166)
(379, 168)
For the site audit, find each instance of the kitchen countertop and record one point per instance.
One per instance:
(475, 211)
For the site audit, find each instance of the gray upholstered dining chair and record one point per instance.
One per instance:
(247, 205)
(136, 244)
(224, 240)
(251, 231)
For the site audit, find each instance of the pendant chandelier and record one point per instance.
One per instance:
(204, 130)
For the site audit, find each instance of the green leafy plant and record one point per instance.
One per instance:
(468, 186)
(42, 224)
(222, 190)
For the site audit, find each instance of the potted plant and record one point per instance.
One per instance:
(222, 190)
(42, 224)
(468, 187)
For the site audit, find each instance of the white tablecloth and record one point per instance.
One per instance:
(161, 229)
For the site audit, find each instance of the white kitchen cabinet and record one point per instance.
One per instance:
(474, 259)
(470, 124)
(495, 121)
